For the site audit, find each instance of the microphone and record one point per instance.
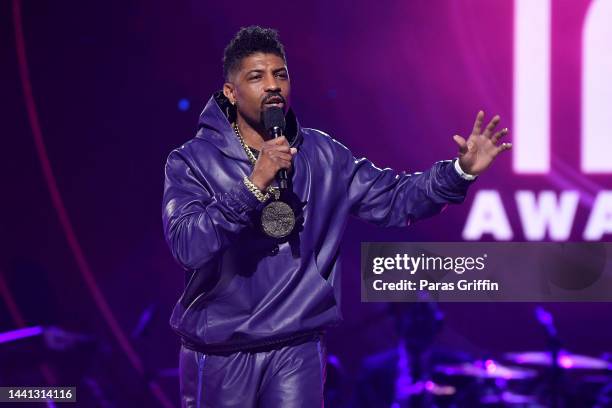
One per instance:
(546, 320)
(274, 122)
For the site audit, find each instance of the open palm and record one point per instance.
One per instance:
(478, 151)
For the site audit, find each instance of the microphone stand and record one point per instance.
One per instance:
(545, 319)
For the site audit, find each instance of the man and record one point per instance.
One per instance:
(262, 264)
(402, 376)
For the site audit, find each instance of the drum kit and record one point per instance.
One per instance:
(551, 378)
(527, 379)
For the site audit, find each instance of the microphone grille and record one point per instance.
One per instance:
(274, 117)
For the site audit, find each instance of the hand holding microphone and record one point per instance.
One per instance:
(276, 154)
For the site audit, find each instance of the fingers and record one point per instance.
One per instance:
(275, 154)
(491, 126)
(284, 149)
(281, 148)
(281, 163)
(495, 138)
(478, 123)
(461, 143)
(278, 141)
(279, 144)
(503, 147)
(280, 155)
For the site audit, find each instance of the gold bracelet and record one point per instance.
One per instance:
(255, 190)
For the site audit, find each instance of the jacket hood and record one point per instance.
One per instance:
(215, 126)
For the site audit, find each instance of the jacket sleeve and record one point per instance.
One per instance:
(387, 198)
(199, 223)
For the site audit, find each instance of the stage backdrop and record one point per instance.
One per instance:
(96, 94)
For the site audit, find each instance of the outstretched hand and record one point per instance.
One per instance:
(477, 153)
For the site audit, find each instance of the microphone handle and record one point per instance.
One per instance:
(281, 176)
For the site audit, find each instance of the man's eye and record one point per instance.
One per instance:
(254, 77)
(282, 74)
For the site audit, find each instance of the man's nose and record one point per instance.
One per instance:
(272, 84)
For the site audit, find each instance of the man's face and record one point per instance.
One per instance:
(261, 81)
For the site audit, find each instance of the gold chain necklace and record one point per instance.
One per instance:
(277, 217)
(248, 151)
(275, 191)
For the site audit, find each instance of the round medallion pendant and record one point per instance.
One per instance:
(277, 219)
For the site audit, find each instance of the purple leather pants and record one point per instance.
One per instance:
(289, 377)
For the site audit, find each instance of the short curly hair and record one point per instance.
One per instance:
(248, 41)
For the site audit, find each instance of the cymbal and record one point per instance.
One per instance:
(486, 369)
(507, 397)
(426, 387)
(565, 360)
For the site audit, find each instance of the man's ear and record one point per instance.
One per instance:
(228, 91)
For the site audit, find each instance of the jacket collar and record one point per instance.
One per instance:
(214, 126)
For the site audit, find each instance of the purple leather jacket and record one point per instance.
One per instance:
(244, 290)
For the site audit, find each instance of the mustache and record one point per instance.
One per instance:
(272, 96)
